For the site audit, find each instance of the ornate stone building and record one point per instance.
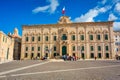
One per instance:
(84, 40)
(6, 47)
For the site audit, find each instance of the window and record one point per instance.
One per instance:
(73, 48)
(38, 48)
(92, 55)
(39, 38)
(26, 39)
(54, 48)
(55, 38)
(107, 55)
(106, 37)
(38, 55)
(32, 48)
(82, 37)
(55, 54)
(26, 55)
(99, 48)
(82, 48)
(46, 48)
(46, 38)
(117, 49)
(98, 37)
(26, 48)
(73, 37)
(91, 48)
(106, 47)
(99, 55)
(64, 37)
(83, 56)
(6, 40)
(91, 37)
(32, 38)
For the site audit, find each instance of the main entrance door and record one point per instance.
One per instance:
(64, 50)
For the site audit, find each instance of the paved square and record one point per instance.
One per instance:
(64, 70)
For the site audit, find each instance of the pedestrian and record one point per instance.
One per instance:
(95, 57)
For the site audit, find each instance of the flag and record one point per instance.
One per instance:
(63, 10)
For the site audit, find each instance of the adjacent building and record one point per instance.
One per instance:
(83, 39)
(6, 47)
(117, 43)
(17, 44)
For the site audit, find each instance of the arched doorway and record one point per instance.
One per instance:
(64, 50)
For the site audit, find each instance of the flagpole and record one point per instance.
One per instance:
(63, 11)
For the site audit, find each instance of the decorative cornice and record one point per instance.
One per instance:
(79, 24)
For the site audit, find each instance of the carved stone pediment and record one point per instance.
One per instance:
(72, 32)
(81, 32)
(64, 42)
(63, 30)
(97, 31)
(46, 33)
(105, 31)
(54, 33)
(90, 32)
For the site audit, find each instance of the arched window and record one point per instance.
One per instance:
(46, 38)
(32, 48)
(91, 48)
(33, 38)
(55, 38)
(38, 48)
(26, 39)
(39, 38)
(73, 37)
(99, 48)
(106, 36)
(91, 37)
(73, 48)
(82, 48)
(64, 37)
(106, 48)
(98, 37)
(81, 37)
(26, 48)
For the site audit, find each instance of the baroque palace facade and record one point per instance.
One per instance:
(83, 39)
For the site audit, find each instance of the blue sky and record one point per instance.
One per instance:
(15, 13)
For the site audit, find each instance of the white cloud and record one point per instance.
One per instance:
(116, 26)
(88, 16)
(112, 17)
(91, 14)
(48, 8)
(54, 4)
(40, 9)
(102, 7)
(117, 7)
